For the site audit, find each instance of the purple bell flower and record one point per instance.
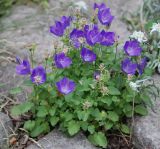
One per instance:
(128, 66)
(60, 26)
(108, 38)
(99, 6)
(77, 37)
(105, 17)
(132, 48)
(18, 60)
(88, 55)
(65, 86)
(66, 21)
(141, 66)
(86, 29)
(62, 61)
(97, 75)
(57, 29)
(38, 75)
(92, 36)
(23, 67)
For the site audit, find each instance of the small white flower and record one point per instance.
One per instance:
(134, 86)
(139, 83)
(81, 5)
(138, 35)
(155, 27)
(87, 105)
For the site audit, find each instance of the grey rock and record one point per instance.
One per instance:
(57, 140)
(5, 130)
(147, 129)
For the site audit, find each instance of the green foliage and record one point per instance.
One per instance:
(16, 90)
(141, 110)
(73, 127)
(113, 116)
(125, 129)
(5, 5)
(29, 125)
(22, 108)
(98, 139)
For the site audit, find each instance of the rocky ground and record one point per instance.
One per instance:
(29, 24)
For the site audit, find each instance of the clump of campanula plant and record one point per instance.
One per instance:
(88, 84)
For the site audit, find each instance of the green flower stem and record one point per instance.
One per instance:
(35, 98)
(31, 51)
(133, 108)
(116, 52)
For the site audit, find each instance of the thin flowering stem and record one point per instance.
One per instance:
(116, 53)
(141, 16)
(31, 52)
(100, 51)
(45, 67)
(32, 49)
(133, 122)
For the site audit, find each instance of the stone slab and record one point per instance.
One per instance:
(57, 140)
(147, 129)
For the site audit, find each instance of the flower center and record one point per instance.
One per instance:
(87, 57)
(37, 79)
(81, 40)
(65, 89)
(62, 61)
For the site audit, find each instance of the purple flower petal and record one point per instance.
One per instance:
(65, 21)
(99, 6)
(60, 26)
(108, 38)
(105, 16)
(132, 48)
(62, 61)
(88, 55)
(18, 60)
(38, 75)
(97, 75)
(57, 29)
(76, 36)
(128, 67)
(142, 65)
(93, 35)
(23, 68)
(65, 86)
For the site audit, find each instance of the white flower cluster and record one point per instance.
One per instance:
(134, 86)
(138, 35)
(139, 83)
(155, 28)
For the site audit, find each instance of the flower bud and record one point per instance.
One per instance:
(129, 77)
(101, 67)
(87, 105)
(104, 90)
(83, 21)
